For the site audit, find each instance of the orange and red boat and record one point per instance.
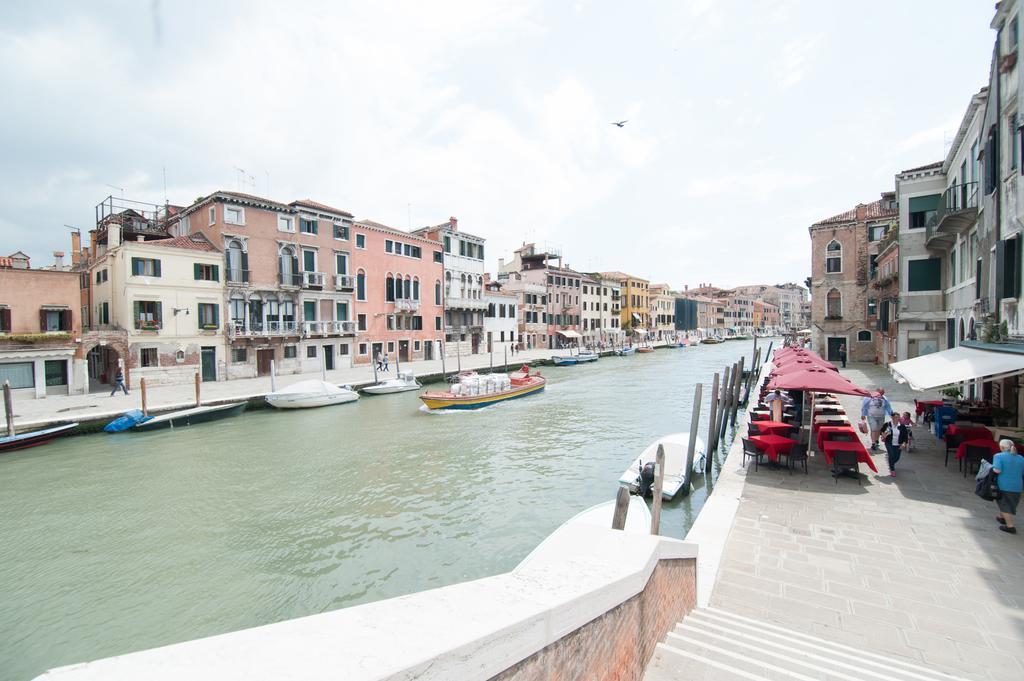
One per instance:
(473, 391)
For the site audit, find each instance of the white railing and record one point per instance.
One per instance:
(344, 281)
(312, 279)
(407, 305)
(329, 328)
(271, 328)
(466, 303)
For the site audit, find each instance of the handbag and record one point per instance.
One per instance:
(862, 427)
(986, 486)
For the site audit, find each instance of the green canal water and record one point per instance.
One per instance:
(116, 543)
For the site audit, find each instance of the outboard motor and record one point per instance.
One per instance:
(646, 479)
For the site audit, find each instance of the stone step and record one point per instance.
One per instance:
(672, 664)
(871, 665)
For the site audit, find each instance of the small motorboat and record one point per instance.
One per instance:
(711, 340)
(125, 421)
(587, 357)
(565, 360)
(638, 521)
(189, 417)
(639, 477)
(34, 438)
(309, 394)
(405, 381)
(645, 348)
(472, 390)
(625, 352)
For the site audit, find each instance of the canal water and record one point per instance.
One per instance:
(115, 543)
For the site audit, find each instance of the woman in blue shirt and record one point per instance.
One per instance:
(1009, 468)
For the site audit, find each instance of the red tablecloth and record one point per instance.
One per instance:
(773, 427)
(825, 434)
(991, 445)
(922, 404)
(773, 445)
(840, 420)
(969, 432)
(760, 415)
(831, 447)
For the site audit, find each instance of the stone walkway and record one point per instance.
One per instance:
(911, 566)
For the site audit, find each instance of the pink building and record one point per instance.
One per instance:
(398, 303)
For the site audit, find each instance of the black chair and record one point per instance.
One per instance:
(952, 442)
(751, 452)
(973, 458)
(843, 462)
(798, 454)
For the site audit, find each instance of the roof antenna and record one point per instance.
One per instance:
(165, 184)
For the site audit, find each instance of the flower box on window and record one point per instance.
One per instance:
(209, 327)
(147, 324)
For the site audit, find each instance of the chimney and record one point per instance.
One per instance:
(58, 260)
(93, 239)
(862, 212)
(454, 222)
(76, 247)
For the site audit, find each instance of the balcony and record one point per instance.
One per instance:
(958, 211)
(237, 277)
(268, 329)
(329, 328)
(460, 303)
(344, 282)
(289, 279)
(313, 280)
(407, 305)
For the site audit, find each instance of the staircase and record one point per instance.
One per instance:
(715, 645)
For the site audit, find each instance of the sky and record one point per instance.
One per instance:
(747, 121)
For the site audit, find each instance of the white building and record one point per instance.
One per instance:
(590, 310)
(609, 309)
(501, 322)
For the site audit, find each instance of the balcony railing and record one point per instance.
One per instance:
(312, 280)
(236, 276)
(289, 278)
(344, 282)
(959, 206)
(458, 302)
(329, 328)
(263, 329)
(407, 305)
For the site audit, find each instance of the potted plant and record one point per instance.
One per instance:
(1001, 417)
(951, 394)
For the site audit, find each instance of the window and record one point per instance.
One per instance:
(415, 289)
(438, 256)
(20, 374)
(924, 210)
(209, 316)
(952, 267)
(237, 263)
(437, 292)
(834, 305)
(234, 215)
(833, 258)
(462, 247)
(308, 260)
(55, 372)
(361, 285)
(362, 348)
(991, 156)
(417, 323)
(360, 241)
(361, 322)
(437, 323)
(5, 320)
(864, 336)
(343, 349)
(341, 263)
(285, 223)
(101, 276)
(391, 346)
(307, 225)
(145, 267)
(1012, 36)
(213, 215)
(148, 357)
(389, 246)
(1008, 268)
(924, 274)
(147, 314)
(1012, 133)
(310, 351)
(239, 355)
(203, 272)
(341, 311)
(389, 289)
(878, 232)
(341, 231)
(290, 352)
(104, 313)
(447, 244)
(309, 310)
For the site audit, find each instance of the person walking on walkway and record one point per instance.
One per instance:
(842, 354)
(874, 409)
(385, 361)
(895, 436)
(1009, 468)
(380, 363)
(119, 383)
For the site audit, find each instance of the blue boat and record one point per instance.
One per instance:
(561, 361)
(125, 421)
(625, 352)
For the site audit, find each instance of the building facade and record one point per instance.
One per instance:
(562, 306)
(501, 322)
(634, 301)
(662, 303)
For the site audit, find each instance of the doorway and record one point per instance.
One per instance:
(376, 352)
(329, 357)
(833, 348)
(403, 350)
(102, 363)
(263, 359)
(208, 363)
(428, 349)
(476, 343)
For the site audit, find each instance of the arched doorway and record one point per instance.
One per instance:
(103, 361)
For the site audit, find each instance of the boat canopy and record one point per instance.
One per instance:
(569, 333)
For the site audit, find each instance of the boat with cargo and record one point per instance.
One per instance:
(471, 390)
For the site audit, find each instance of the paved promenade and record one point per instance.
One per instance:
(911, 566)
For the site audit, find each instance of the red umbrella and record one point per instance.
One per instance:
(798, 363)
(817, 379)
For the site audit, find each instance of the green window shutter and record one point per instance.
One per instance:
(216, 314)
(197, 271)
(159, 312)
(924, 275)
(216, 272)
(156, 268)
(135, 312)
(923, 203)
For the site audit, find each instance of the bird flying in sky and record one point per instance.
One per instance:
(619, 123)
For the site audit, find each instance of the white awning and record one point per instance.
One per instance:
(949, 367)
(639, 332)
(569, 333)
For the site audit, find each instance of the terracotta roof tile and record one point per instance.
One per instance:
(194, 242)
(875, 210)
(310, 203)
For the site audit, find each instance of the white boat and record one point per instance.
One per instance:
(405, 380)
(586, 357)
(638, 521)
(624, 352)
(311, 393)
(676, 476)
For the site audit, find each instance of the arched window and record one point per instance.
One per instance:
(962, 328)
(864, 336)
(408, 287)
(416, 289)
(833, 257)
(437, 292)
(361, 285)
(288, 264)
(834, 304)
(970, 332)
(237, 263)
(389, 288)
(463, 289)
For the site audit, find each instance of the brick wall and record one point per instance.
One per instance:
(617, 645)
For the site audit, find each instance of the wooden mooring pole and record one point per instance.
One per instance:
(736, 395)
(621, 507)
(198, 383)
(273, 377)
(142, 389)
(723, 405)
(698, 394)
(710, 444)
(659, 484)
(9, 408)
(727, 402)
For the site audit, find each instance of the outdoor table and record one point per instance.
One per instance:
(831, 447)
(826, 433)
(926, 405)
(833, 420)
(969, 432)
(828, 409)
(774, 427)
(991, 445)
(773, 445)
(826, 400)
(760, 414)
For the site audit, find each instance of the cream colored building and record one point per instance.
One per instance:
(663, 310)
(165, 298)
